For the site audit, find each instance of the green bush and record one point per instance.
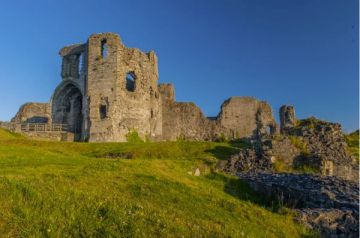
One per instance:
(300, 144)
(180, 138)
(222, 138)
(133, 137)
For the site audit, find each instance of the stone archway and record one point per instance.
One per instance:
(67, 108)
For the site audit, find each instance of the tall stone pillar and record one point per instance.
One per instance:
(287, 118)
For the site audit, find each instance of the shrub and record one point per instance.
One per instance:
(221, 138)
(300, 144)
(181, 137)
(279, 166)
(133, 137)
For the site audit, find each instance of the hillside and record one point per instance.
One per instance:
(352, 140)
(58, 189)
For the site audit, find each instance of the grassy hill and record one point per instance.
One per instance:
(352, 141)
(59, 189)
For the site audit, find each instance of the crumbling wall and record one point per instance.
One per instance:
(239, 117)
(73, 61)
(33, 113)
(68, 100)
(326, 147)
(287, 117)
(118, 104)
(182, 119)
(185, 120)
(246, 117)
(7, 125)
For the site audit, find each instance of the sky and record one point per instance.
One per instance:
(297, 52)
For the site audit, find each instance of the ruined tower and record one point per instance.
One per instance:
(107, 90)
(287, 117)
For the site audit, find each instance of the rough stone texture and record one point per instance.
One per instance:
(6, 125)
(33, 113)
(240, 117)
(108, 90)
(319, 198)
(320, 145)
(326, 148)
(332, 223)
(246, 117)
(185, 120)
(287, 117)
(247, 160)
(261, 155)
(167, 92)
(106, 82)
(281, 149)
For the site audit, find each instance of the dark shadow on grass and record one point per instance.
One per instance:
(241, 190)
(243, 143)
(223, 152)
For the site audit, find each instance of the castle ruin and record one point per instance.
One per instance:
(108, 90)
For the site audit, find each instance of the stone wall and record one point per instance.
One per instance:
(108, 90)
(185, 120)
(240, 117)
(33, 113)
(246, 116)
(287, 117)
(50, 135)
(309, 145)
(6, 125)
(135, 107)
(325, 147)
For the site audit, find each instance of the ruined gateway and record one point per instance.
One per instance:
(108, 90)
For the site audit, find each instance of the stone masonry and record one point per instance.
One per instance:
(328, 204)
(108, 90)
(310, 144)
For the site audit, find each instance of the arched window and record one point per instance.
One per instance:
(130, 81)
(104, 48)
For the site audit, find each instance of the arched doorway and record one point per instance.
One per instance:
(67, 108)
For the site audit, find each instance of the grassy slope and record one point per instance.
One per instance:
(352, 140)
(55, 189)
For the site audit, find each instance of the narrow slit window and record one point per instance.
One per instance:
(103, 111)
(130, 81)
(104, 48)
(81, 64)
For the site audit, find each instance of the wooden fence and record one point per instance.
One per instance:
(43, 127)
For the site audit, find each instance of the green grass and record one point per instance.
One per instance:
(59, 189)
(300, 144)
(352, 141)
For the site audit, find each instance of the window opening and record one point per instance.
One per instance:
(130, 81)
(104, 48)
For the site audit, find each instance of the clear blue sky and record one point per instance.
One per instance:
(299, 52)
